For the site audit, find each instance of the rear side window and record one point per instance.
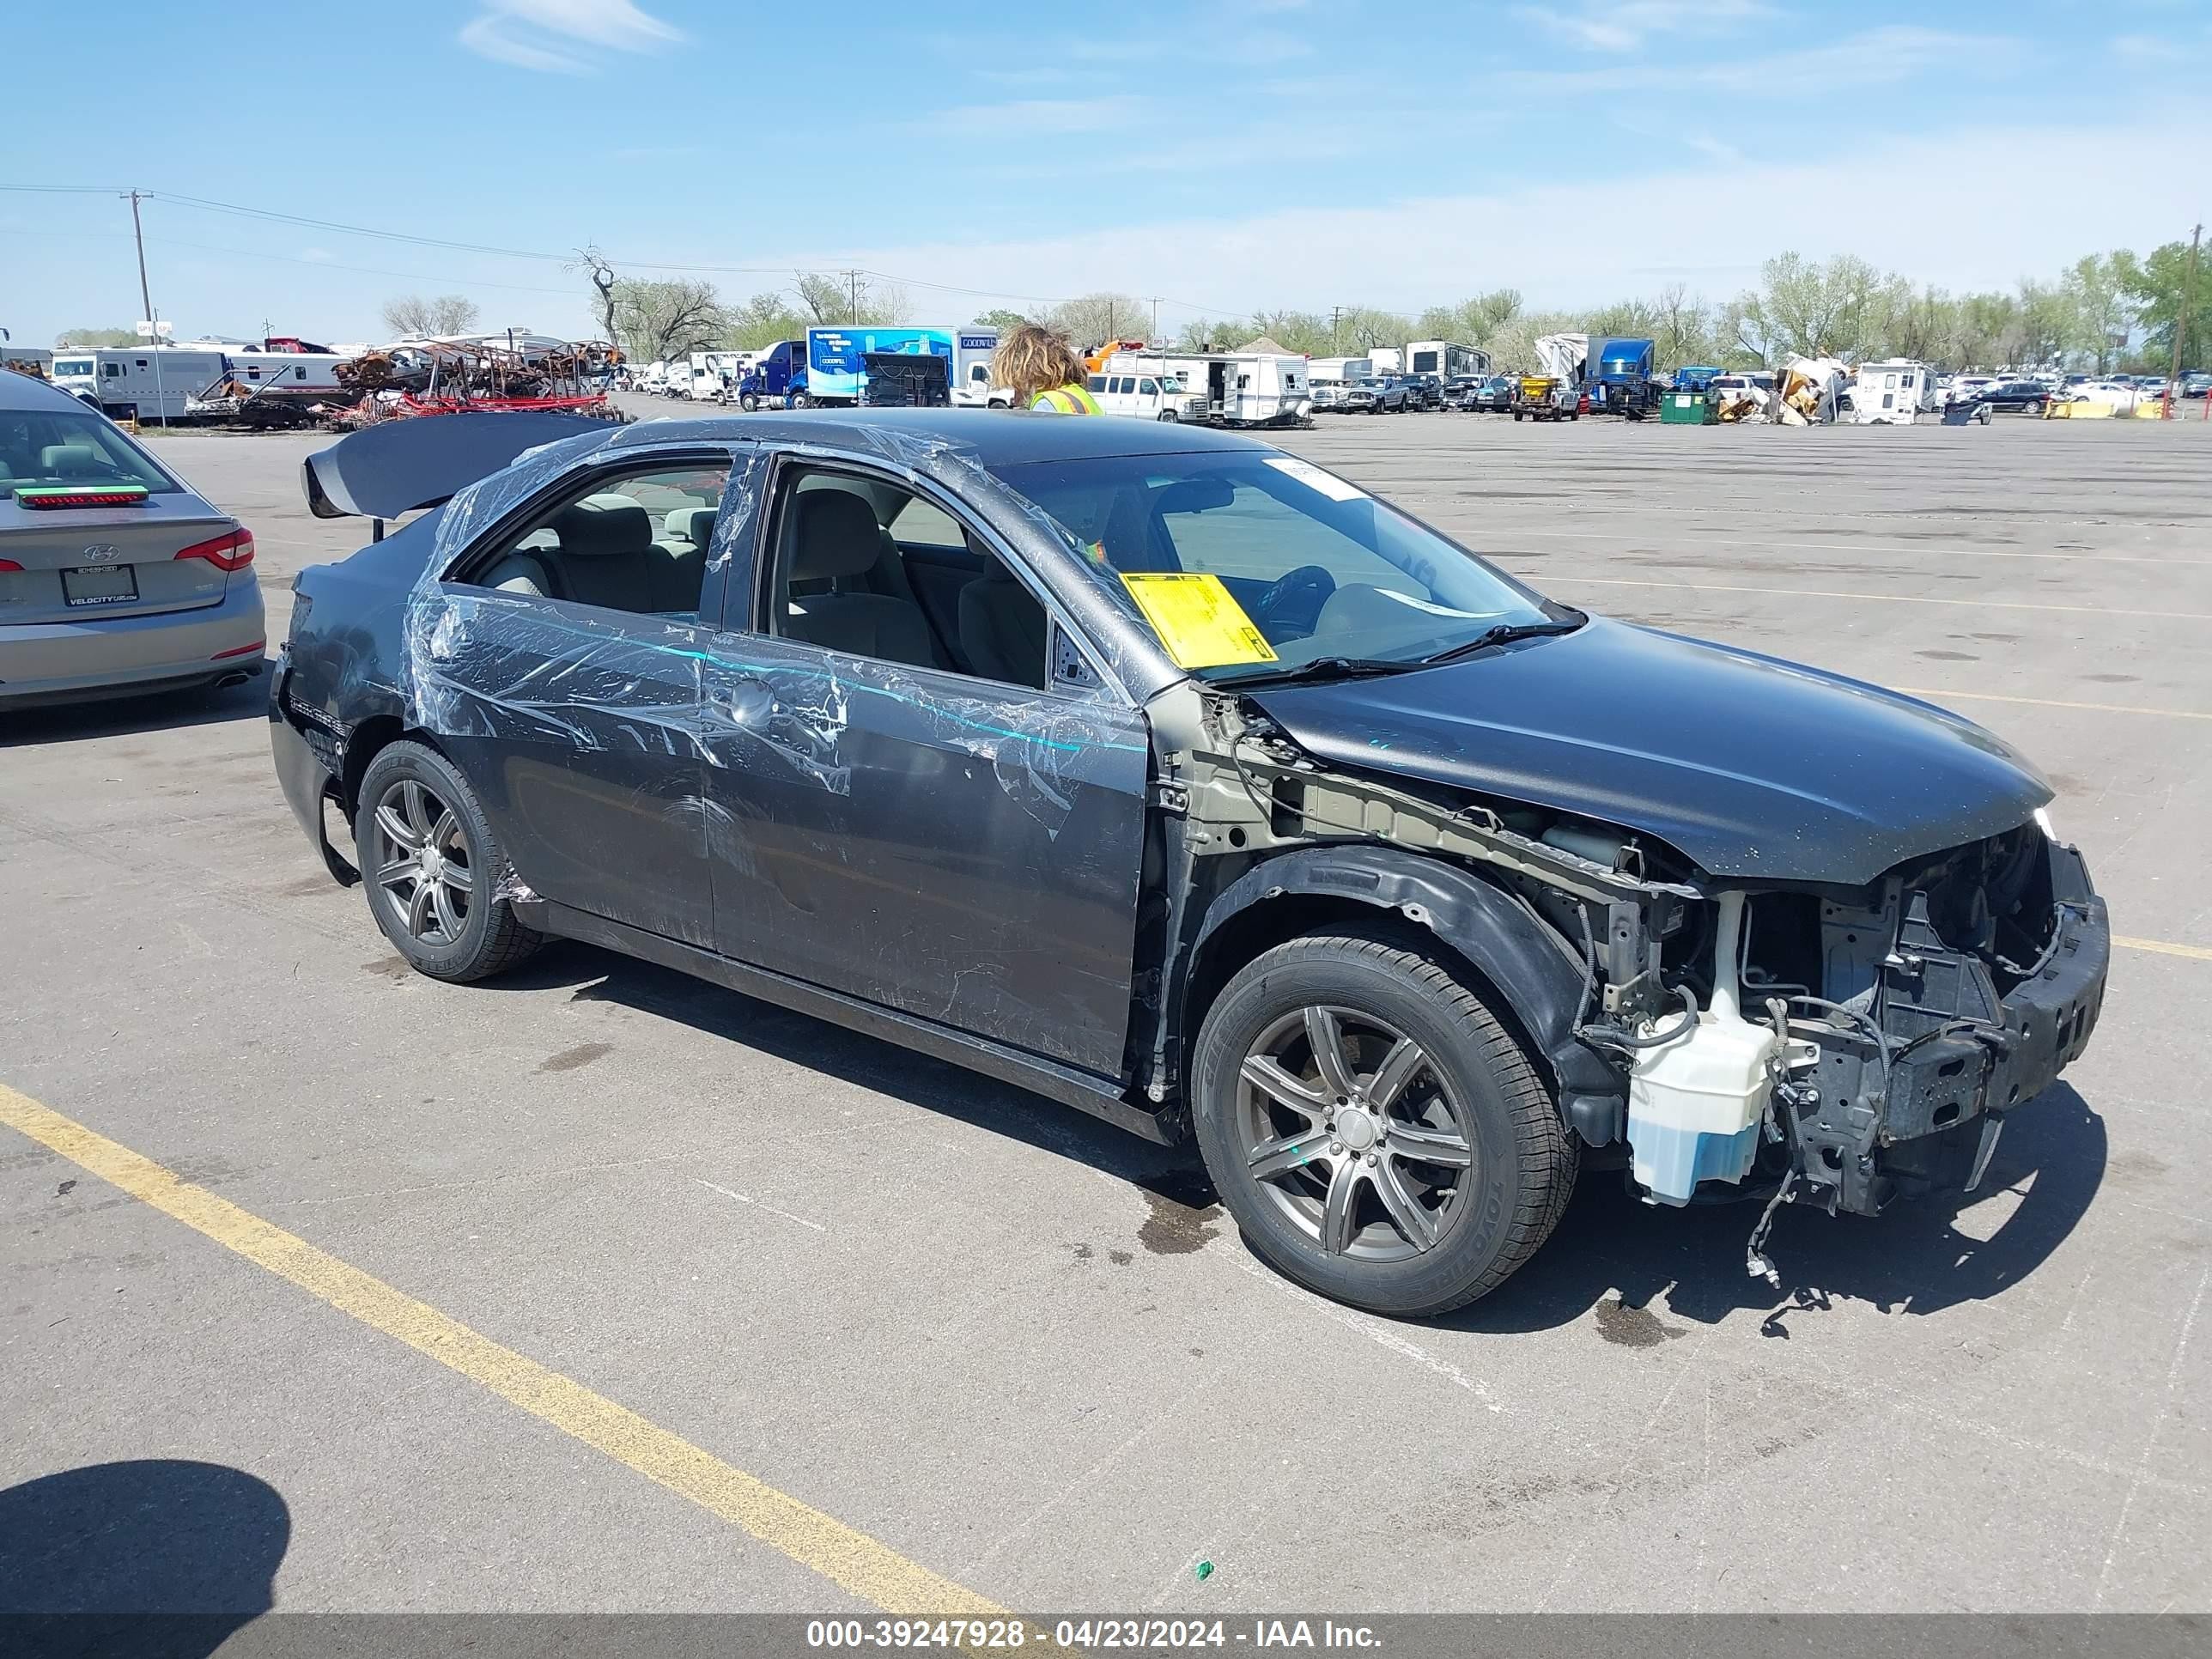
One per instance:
(67, 446)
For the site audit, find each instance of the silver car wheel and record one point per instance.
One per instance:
(1352, 1130)
(421, 863)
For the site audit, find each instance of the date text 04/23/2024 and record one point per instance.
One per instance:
(1088, 1635)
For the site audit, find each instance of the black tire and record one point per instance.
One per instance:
(489, 938)
(1169, 417)
(1502, 1207)
(800, 400)
(749, 402)
(1516, 414)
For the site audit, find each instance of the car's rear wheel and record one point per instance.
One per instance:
(433, 870)
(1379, 1136)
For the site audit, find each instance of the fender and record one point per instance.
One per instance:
(1530, 966)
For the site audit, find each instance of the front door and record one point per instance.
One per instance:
(560, 667)
(923, 792)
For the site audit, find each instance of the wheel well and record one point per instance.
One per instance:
(1260, 927)
(366, 741)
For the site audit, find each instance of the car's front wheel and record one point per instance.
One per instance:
(433, 870)
(1380, 1137)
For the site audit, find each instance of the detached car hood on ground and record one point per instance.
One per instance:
(1750, 767)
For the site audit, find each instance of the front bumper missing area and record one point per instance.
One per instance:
(1959, 1056)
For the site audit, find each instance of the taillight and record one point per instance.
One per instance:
(231, 552)
(8, 564)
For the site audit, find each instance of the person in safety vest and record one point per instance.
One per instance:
(1043, 371)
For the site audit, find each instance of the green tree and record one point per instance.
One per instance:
(2155, 284)
(1091, 319)
(2103, 311)
(761, 321)
(1003, 319)
(1813, 310)
(91, 339)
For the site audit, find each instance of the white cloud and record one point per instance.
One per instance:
(552, 36)
(1880, 56)
(1625, 25)
(1968, 208)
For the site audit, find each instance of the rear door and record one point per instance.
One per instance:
(61, 561)
(560, 666)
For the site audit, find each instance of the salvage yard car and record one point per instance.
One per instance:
(1173, 777)
(115, 578)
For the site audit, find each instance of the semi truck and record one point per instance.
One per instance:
(829, 365)
(1620, 382)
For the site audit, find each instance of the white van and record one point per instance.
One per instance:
(1148, 396)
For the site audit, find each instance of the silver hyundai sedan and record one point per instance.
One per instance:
(115, 578)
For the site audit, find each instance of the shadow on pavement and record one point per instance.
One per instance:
(1611, 1255)
(111, 717)
(160, 1557)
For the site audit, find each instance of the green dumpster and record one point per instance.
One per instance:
(1686, 408)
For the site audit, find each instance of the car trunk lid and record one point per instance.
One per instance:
(165, 552)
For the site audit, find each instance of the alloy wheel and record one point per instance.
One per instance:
(1352, 1130)
(423, 870)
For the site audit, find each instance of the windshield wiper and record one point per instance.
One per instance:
(1505, 634)
(1322, 668)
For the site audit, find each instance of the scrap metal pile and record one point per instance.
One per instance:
(1807, 393)
(444, 377)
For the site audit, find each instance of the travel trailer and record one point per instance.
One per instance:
(1445, 359)
(1241, 388)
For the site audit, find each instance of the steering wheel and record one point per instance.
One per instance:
(1306, 579)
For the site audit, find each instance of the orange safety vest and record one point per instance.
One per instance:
(1073, 398)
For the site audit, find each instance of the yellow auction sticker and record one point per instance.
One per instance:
(1197, 618)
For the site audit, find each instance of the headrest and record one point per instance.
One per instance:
(837, 537)
(694, 525)
(69, 458)
(602, 526)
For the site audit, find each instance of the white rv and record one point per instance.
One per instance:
(1892, 393)
(1241, 388)
(153, 383)
(1445, 359)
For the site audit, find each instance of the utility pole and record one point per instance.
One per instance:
(1156, 320)
(1335, 313)
(138, 234)
(852, 297)
(2182, 317)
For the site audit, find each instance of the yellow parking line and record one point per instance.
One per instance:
(2166, 947)
(1567, 580)
(853, 1560)
(2051, 702)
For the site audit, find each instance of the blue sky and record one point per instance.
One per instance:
(1226, 155)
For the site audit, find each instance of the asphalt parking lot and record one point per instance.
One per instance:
(1006, 1345)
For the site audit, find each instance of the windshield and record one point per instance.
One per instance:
(71, 446)
(79, 367)
(1318, 567)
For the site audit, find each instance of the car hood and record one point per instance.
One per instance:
(1751, 766)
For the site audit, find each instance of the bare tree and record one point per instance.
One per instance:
(411, 315)
(603, 283)
(850, 297)
(1092, 320)
(654, 321)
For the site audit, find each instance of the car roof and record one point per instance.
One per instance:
(26, 392)
(993, 437)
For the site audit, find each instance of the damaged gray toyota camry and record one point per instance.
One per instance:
(1173, 777)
